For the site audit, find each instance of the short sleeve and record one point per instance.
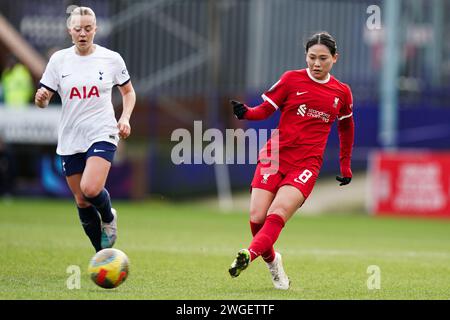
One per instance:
(50, 79)
(121, 76)
(347, 110)
(277, 94)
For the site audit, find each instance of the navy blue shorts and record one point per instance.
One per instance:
(75, 163)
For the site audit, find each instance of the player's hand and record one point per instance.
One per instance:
(124, 128)
(343, 180)
(239, 109)
(42, 97)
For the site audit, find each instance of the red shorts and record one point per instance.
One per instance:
(301, 178)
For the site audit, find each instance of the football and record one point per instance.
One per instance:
(109, 268)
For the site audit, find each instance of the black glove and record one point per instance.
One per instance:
(239, 109)
(343, 180)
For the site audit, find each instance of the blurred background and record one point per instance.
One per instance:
(187, 58)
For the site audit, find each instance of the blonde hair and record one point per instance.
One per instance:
(79, 11)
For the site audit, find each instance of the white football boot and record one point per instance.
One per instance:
(109, 231)
(279, 278)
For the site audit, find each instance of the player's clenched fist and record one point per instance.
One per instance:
(343, 180)
(239, 109)
(42, 97)
(124, 128)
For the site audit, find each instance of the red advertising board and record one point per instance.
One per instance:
(413, 183)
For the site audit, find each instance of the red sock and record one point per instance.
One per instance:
(269, 255)
(266, 236)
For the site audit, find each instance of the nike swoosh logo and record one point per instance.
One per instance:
(300, 93)
(97, 150)
(65, 75)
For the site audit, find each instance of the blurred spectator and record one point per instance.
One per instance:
(6, 170)
(17, 83)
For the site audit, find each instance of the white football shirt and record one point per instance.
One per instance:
(85, 84)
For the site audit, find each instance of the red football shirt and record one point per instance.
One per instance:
(308, 109)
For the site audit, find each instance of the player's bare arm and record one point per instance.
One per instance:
(129, 100)
(42, 97)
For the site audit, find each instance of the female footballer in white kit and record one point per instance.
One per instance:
(84, 76)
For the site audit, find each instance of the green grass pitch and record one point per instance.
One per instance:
(183, 251)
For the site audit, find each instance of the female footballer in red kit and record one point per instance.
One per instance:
(310, 100)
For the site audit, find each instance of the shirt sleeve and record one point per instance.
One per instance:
(347, 110)
(121, 76)
(346, 131)
(50, 78)
(261, 112)
(277, 94)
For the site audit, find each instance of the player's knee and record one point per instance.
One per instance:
(257, 216)
(281, 211)
(81, 201)
(90, 191)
